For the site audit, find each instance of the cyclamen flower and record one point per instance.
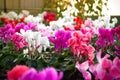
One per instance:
(89, 23)
(79, 44)
(17, 72)
(117, 30)
(105, 22)
(117, 50)
(48, 17)
(60, 39)
(19, 26)
(88, 26)
(19, 41)
(27, 26)
(83, 67)
(78, 22)
(33, 19)
(45, 74)
(105, 37)
(44, 30)
(105, 69)
(6, 32)
(35, 40)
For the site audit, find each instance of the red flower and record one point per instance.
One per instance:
(48, 17)
(8, 21)
(78, 22)
(22, 19)
(17, 72)
(4, 20)
(66, 28)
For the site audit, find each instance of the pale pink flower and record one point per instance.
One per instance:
(83, 69)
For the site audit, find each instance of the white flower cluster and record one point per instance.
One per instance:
(61, 22)
(13, 15)
(36, 19)
(35, 40)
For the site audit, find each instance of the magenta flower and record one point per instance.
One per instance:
(19, 26)
(60, 39)
(117, 30)
(31, 75)
(6, 32)
(117, 50)
(52, 74)
(29, 26)
(105, 37)
(105, 69)
(45, 74)
(115, 69)
(19, 41)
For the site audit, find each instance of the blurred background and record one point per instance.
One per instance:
(106, 7)
(35, 6)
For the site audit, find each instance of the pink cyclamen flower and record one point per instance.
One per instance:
(106, 69)
(117, 30)
(117, 50)
(19, 26)
(29, 26)
(79, 44)
(19, 41)
(45, 74)
(105, 37)
(60, 39)
(89, 23)
(6, 32)
(83, 67)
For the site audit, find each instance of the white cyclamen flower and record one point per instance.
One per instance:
(33, 19)
(35, 40)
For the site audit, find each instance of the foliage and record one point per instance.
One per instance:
(94, 7)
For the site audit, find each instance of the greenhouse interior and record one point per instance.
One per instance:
(59, 40)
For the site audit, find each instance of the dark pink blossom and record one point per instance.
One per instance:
(105, 37)
(19, 41)
(60, 39)
(45, 74)
(6, 32)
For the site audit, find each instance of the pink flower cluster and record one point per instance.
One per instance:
(105, 37)
(60, 39)
(106, 69)
(22, 72)
(27, 26)
(79, 43)
(83, 67)
(19, 41)
(88, 26)
(6, 32)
